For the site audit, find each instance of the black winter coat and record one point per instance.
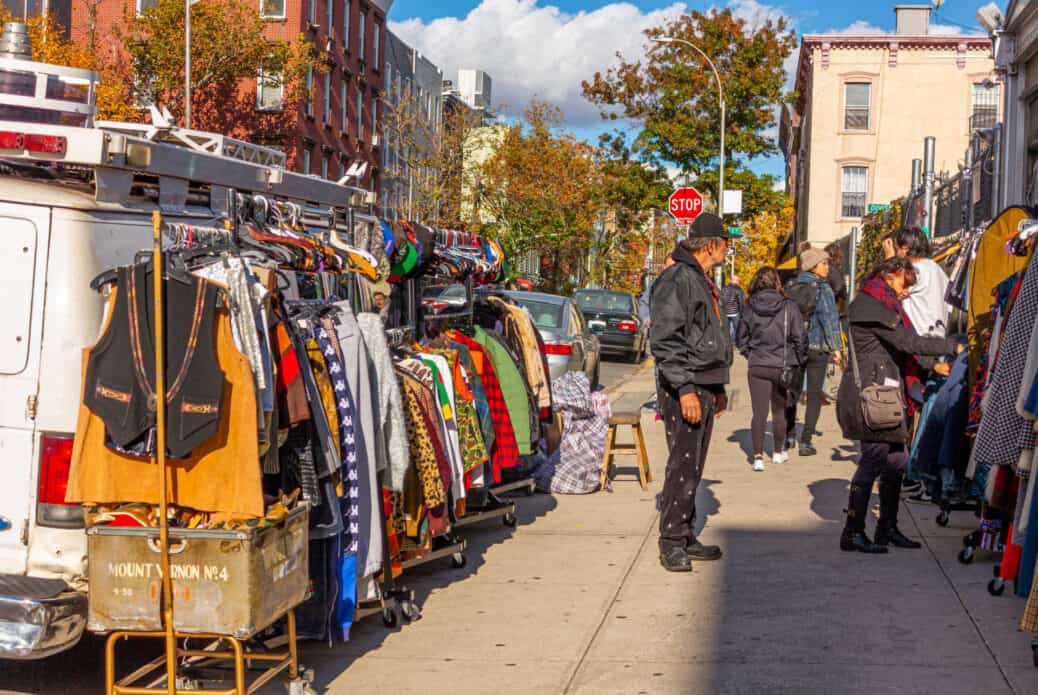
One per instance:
(690, 344)
(881, 344)
(771, 331)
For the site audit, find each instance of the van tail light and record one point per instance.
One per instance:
(628, 327)
(46, 144)
(11, 141)
(557, 349)
(55, 463)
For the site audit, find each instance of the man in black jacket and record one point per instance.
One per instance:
(693, 352)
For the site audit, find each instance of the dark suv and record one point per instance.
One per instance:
(613, 317)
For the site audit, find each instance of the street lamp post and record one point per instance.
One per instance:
(720, 96)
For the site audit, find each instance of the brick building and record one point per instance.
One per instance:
(326, 134)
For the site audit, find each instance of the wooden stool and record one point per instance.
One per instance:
(634, 420)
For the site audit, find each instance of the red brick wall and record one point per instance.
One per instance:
(232, 110)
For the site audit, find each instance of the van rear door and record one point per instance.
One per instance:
(24, 233)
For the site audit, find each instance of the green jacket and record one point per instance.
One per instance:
(512, 386)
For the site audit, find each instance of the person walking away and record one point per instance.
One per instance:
(771, 336)
(732, 299)
(882, 348)
(814, 296)
(693, 353)
(835, 277)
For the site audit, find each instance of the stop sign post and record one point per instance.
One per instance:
(685, 204)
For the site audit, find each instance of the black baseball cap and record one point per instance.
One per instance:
(707, 226)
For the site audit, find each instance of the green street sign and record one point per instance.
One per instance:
(735, 231)
(877, 207)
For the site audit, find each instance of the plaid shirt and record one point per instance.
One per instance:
(505, 452)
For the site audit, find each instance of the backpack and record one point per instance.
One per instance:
(805, 294)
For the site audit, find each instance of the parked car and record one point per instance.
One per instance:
(568, 344)
(613, 317)
(444, 299)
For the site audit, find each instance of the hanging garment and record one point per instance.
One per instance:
(519, 322)
(505, 451)
(391, 409)
(1003, 434)
(990, 266)
(448, 410)
(513, 387)
(938, 442)
(326, 449)
(221, 475)
(362, 382)
(479, 396)
(120, 370)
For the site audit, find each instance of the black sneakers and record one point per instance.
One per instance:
(676, 560)
(807, 449)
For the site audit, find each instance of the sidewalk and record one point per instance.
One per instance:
(574, 600)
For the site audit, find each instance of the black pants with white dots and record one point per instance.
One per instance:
(688, 445)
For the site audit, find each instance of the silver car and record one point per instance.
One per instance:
(568, 343)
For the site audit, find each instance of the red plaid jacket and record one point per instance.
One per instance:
(505, 452)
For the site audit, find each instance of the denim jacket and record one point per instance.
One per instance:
(824, 333)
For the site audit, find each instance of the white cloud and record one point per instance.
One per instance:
(536, 50)
(858, 27)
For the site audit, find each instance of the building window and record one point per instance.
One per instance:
(269, 9)
(342, 107)
(328, 99)
(342, 167)
(309, 106)
(330, 18)
(984, 111)
(270, 92)
(362, 22)
(145, 5)
(306, 160)
(377, 29)
(856, 105)
(374, 118)
(346, 25)
(854, 189)
(360, 115)
(324, 167)
(311, 13)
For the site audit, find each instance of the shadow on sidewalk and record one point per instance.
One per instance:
(329, 663)
(829, 498)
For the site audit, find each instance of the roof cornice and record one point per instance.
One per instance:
(960, 43)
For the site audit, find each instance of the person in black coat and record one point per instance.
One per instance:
(771, 336)
(883, 345)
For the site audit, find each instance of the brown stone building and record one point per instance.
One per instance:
(337, 127)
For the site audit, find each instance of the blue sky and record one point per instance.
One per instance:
(544, 48)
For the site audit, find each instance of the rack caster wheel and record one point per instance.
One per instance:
(943, 518)
(458, 560)
(410, 611)
(996, 587)
(966, 556)
(510, 520)
(390, 618)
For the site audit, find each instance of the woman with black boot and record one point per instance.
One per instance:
(883, 348)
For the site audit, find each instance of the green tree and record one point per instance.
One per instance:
(673, 97)
(540, 190)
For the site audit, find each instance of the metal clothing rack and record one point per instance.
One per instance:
(286, 661)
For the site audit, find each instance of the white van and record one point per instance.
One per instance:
(75, 201)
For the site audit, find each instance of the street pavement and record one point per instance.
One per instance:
(574, 601)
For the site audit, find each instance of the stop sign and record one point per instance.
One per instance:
(685, 204)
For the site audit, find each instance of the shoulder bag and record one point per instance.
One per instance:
(882, 407)
(791, 376)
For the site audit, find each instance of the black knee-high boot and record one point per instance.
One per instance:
(887, 532)
(853, 537)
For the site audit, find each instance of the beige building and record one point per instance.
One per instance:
(864, 105)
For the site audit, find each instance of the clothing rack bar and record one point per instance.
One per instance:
(527, 484)
(453, 550)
